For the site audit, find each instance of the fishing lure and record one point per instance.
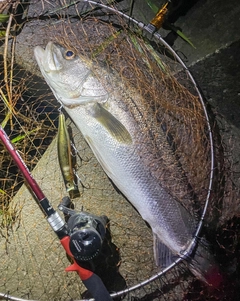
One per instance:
(64, 156)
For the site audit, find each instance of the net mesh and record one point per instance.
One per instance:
(32, 261)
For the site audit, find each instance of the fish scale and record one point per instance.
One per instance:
(131, 147)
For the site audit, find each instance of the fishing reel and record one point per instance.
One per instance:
(86, 232)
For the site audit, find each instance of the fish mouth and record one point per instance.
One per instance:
(48, 59)
(39, 54)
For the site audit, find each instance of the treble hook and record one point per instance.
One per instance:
(80, 180)
(75, 150)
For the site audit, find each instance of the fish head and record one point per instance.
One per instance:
(68, 75)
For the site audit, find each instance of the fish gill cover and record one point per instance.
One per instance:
(32, 262)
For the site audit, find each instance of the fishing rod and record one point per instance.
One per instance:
(71, 234)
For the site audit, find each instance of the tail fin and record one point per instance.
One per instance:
(201, 262)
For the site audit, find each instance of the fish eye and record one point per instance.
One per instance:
(69, 54)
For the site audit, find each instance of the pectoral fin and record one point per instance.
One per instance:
(115, 128)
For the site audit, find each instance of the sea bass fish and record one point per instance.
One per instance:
(131, 150)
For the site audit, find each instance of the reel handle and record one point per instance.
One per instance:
(92, 282)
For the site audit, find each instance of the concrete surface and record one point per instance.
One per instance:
(33, 263)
